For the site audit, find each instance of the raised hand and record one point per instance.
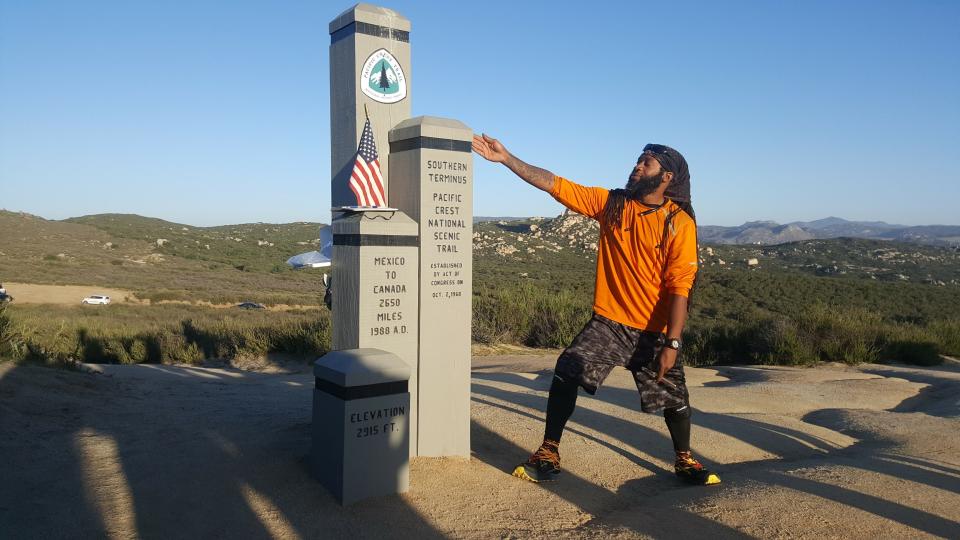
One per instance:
(490, 148)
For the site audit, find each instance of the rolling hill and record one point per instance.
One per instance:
(164, 260)
(159, 259)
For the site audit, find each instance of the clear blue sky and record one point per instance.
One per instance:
(207, 112)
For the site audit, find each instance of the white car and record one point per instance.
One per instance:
(96, 299)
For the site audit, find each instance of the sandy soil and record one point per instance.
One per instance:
(31, 293)
(160, 452)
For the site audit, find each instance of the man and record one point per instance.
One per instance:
(646, 265)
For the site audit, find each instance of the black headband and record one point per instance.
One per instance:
(672, 161)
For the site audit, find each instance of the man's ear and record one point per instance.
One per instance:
(667, 177)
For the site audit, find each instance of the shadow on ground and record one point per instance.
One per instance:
(207, 453)
(217, 452)
(654, 504)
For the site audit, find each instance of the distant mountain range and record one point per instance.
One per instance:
(770, 232)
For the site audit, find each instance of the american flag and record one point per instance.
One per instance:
(366, 182)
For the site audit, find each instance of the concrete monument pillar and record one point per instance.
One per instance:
(375, 289)
(432, 178)
(361, 424)
(369, 65)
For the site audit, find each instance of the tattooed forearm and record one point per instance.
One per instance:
(535, 176)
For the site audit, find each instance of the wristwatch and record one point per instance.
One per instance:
(673, 343)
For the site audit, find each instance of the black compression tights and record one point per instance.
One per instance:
(678, 422)
(560, 405)
(563, 399)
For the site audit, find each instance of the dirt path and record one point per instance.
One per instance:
(159, 451)
(30, 293)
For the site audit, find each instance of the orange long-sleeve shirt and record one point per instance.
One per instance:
(634, 272)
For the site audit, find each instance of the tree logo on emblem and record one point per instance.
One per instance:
(382, 78)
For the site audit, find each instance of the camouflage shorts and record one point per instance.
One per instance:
(604, 344)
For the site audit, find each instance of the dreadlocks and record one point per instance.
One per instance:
(635, 191)
(613, 211)
(688, 208)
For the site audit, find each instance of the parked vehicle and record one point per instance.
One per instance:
(96, 299)
(251, 305)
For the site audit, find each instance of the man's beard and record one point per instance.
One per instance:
(644, 185)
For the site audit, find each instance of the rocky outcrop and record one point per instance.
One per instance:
(568, 231)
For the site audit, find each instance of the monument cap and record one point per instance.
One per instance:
(370, 14)
(431, 126)
(360, 367)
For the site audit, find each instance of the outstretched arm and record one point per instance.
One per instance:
(492, 150)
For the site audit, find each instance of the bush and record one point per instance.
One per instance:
(487, 326)
(528, 315)
(843, 335)
(167, 334)
(12, 346)
(818, 333)
(913, 352)
(910, 344)
(778, 341)
(947, 335)
(556, 320)
(707, 345)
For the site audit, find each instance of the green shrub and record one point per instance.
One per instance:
(921, 353)
(12, 346)
(947, 335)
(848, 335)
(556, 320)
(500, 317)
(166, 334)
(529, 315)
(910, 344)
(778, 341)
(710, 344)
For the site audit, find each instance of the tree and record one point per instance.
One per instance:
(384, 83)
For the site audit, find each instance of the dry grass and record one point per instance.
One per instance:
(158, 334)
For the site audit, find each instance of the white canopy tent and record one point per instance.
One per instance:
(315, 259)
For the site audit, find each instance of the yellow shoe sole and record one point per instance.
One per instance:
(521, 473)
(711, 479)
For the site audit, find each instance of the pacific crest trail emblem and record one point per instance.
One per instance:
(382, 78)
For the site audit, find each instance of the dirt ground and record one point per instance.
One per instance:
(161, 452)
(29, 293)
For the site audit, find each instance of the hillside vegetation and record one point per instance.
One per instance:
(248, 246)
(160, 260)
(847, 300)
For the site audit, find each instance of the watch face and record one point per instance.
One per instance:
(673, 344)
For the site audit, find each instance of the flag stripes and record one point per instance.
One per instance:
(366, 182)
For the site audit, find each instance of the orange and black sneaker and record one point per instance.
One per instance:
(692, 471)
(543, 465)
